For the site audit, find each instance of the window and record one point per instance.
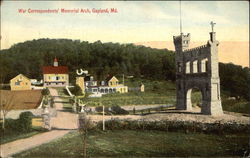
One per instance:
(195, 67)
(57, 77)
(17, 83)
(204, 65)
(188, 67)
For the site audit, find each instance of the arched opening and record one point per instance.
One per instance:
(194, 99)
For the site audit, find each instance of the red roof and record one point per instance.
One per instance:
(55, 70)
(55, 60)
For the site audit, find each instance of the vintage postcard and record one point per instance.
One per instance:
(124, 79)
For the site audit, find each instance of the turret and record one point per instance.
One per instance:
(181, 42)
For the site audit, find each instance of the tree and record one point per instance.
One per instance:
(84, 126)
(6, 104)
(45, 91)
(76, 90)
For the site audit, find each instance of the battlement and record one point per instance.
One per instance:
(181, 36)
(196, 48)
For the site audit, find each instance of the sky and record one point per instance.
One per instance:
(135, 21)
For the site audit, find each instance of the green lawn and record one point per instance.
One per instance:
(10, 135)
(143, 144)
(156, 92)
(132, 98)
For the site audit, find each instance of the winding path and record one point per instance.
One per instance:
(62, 124)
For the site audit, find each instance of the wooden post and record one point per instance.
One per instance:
(103, 121)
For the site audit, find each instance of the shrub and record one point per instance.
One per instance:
(25, 121)
(5, 87)
(100, 109)
(117, 110)
(76, 90)
(175, 126)
(45, 91)
(11, 125)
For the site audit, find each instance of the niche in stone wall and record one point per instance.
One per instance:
(179, 66)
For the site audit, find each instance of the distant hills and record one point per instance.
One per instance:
(236, 52)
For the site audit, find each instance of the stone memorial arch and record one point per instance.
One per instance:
(198, 68)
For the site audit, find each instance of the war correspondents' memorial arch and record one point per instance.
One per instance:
(198, 68)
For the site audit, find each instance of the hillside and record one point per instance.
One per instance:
(102, 59)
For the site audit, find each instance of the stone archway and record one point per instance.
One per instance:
(194, 95)
(197, 67)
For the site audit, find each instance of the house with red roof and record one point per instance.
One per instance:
(55, 76)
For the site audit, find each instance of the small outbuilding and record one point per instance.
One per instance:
(20, 82)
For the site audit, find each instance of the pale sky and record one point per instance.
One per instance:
(135, 21)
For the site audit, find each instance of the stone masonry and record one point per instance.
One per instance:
(197, 68)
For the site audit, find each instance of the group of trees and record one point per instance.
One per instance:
(235, 80)
(98, 58)
(101, 59)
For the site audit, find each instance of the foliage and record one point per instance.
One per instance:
(76, 90)
(45, 91)
(6, 104)
(84, 126)
(12, 131)
(4, 87)
(100, 109)
(239, 106)
(176, 126)
(98, 58)
(117, 110)
(25, 121)
(235, 80)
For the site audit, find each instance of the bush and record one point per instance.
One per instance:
(100, 109)
(76, 90)
(117, 110)
(11, 125)
(45, 91)
(25, 121)
(175, 126)
(5, 87)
